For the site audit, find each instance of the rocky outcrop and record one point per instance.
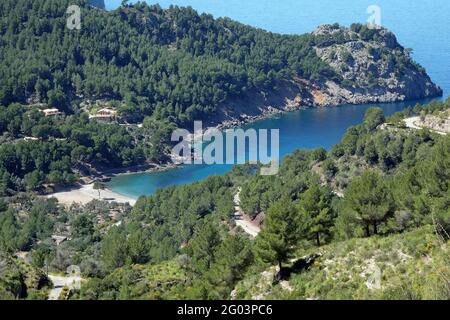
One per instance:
(374, 67)
(371, 67)
(436, 122)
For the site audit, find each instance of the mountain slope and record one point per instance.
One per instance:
(179, 66)
(378, 203)
(410, 266)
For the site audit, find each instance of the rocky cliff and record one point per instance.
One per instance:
(372, 68)
(377, 66)
(177, 66)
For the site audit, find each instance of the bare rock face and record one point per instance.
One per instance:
(374, 67)
(371, 67)
(439, 122)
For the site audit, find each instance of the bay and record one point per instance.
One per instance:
(421, 25)
(308, 128)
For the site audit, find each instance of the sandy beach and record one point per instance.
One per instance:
(86, 194)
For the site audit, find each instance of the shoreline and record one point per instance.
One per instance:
(270, 111)
(85, 193)
(147, 168)
(229, 124)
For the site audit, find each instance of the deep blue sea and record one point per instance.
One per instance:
(421, 25)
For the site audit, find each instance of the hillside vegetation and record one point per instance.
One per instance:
(409, 266)
(369, 219)
(180, 66)
(163, 69)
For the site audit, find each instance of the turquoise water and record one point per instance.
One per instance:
(310, 128)
(421, 25)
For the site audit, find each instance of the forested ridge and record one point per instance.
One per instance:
(175, 63)
(378, 199)
(159, 68)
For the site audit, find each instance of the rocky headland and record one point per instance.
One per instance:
(371, 65)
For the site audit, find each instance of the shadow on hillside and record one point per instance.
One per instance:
(299, 266)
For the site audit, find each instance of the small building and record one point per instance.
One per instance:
(105, 114)
(51, 112)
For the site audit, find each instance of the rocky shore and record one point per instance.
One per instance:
(371, 67)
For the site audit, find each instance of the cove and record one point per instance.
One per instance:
(306, 128)
(421, 25)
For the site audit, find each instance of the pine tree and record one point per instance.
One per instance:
(277, 240)
(373, 118)
(369, 200)
(99, 187)
(114, 249)
(370, 153)
(316, 213)
(203, 246)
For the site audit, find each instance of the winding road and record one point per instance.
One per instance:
(242, 220)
